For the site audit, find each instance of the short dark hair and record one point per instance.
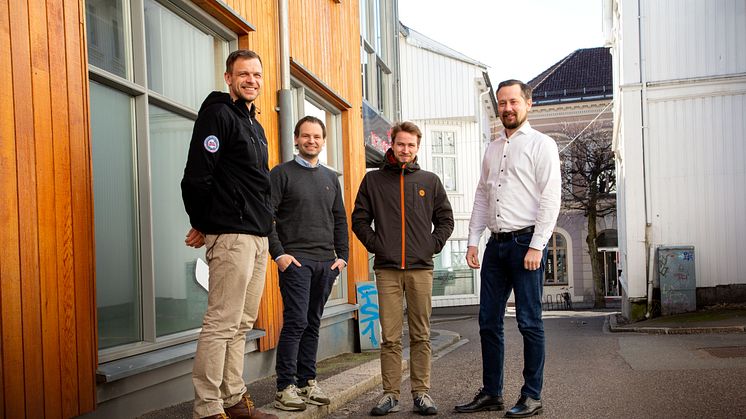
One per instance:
(406, 126)
(240, 53)
(311, 119)
(526, 90)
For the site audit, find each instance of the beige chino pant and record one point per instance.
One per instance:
(417, 286)
(238, 263)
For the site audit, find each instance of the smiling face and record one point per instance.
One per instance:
(512, 107)
(310, 141)
(405, 147)
(245, 79)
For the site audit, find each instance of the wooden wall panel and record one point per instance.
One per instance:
(46, 269)
(82, 204)
(27, 215)
(48, 339)
(63, 210)
(10, 264)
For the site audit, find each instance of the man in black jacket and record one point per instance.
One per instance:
(413, 220)
(226, 193)
(309, 244)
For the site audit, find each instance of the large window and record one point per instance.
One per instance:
(451, 274)
(443, 147)
(557, 256)
(377, 33)
(151, 64)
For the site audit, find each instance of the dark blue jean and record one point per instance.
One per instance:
(503, 271)
(304, 290)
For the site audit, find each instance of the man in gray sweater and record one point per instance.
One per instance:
(309, 244)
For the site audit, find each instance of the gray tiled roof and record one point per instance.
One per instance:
(583, 75)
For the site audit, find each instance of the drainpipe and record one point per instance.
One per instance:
(284, 95)
(644, 130)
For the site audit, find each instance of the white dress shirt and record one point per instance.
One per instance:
(519, 187)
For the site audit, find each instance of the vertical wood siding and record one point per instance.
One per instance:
(47, 309)
(47, 305)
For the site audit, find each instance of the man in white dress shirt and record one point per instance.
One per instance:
(518, 199)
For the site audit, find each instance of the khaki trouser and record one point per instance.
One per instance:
(417, 286)
(238, 263)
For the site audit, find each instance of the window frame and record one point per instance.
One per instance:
(135, 85)
(551, 253)
(377, 55)
(475, 288)
(443, 156)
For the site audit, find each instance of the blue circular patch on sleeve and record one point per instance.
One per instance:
(212, 144)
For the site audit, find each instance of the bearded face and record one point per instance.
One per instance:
(512, 106)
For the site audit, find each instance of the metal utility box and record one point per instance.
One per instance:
(677, 279)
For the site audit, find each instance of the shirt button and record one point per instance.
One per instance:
(505, 155)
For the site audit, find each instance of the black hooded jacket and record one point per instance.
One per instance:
(400, 195)
(226, 185)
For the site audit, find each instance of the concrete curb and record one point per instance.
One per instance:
(354, 382)
(679, 330)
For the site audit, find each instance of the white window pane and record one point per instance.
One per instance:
(451, 275)
(182, 60)
(106, 36)
(180, 301)
(437, 142)
(449, 173)
(449, 142)
(117, 262)
(438, 167)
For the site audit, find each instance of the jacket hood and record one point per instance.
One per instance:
(224, 98)
(390, 162)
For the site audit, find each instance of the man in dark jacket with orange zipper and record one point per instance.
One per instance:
(413, 220)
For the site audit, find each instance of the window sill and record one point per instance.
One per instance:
(138, 364)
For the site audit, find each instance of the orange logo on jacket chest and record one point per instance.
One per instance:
(422, 192)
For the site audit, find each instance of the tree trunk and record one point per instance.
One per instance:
(598, 286)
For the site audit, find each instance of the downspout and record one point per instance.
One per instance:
(284, 95)
(644, 130)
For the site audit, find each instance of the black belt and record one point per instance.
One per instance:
(509, 235)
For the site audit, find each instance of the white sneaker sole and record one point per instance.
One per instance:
(314, 402)
(279, 405)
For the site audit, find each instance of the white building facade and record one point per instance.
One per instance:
(449, 96)
(680, 142)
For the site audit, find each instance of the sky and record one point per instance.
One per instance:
(515, 39)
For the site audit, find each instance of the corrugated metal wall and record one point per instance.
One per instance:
(698, 186)
(691, 151)
(694, 38)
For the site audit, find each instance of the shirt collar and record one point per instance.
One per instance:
(525, 128)
(305, 163)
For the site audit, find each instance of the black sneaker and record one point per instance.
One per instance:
(424, 405)
(387, 404)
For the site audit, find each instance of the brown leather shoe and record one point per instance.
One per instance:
(245, 409)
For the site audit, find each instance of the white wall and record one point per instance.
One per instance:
(436, 86)
(680, 134)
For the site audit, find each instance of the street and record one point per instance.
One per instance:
(592, 373)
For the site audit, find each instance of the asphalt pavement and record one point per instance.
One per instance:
(690, 365)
